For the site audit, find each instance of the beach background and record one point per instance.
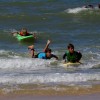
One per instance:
(61, 21)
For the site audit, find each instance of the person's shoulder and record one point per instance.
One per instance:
(78, 52)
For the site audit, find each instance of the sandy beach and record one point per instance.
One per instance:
(31, 97)
(50, 94)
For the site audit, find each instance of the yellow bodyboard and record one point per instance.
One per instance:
(71, 64)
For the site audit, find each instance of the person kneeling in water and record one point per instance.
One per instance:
(72, 56)
(46, 54)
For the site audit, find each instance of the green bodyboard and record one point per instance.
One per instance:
(24, 38)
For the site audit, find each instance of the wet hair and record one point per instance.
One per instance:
(24, 30)
(70, 46)
(48, 50)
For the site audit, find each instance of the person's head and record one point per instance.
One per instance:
(99, 6)
(48, 52)
(71, 48)
(24, 31)
(90, 6)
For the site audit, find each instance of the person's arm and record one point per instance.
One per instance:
(64, 57)
(14, 33)
(54, 56)
(32, 50)
(79, 56)
(34, 35)
(47, 45)
(32, 53)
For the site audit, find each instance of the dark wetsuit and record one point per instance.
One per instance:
(72, 57)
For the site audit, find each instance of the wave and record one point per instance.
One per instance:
(19, 60)
(23, 64)
(45, 78)
(80, 9)
(24, 70)
(75, 10)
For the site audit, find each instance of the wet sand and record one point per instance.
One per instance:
(44, 90)
(58, 93)
(31, 97)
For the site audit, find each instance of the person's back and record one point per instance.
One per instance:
(41, 55)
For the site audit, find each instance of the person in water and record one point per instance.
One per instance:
(24, 32)
(46, 54)
(72, 56)
(89, 6)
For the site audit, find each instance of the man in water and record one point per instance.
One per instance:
(46, 54)
(72, 56)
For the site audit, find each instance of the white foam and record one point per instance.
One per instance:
(56, 78)
(80, 9)
(76, 10)
(2, 51)
(10, 54)
(89, 65)
(21, 71)
(23, 63)
(17, 71)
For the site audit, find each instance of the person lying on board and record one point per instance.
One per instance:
(46, 54)
(72, 56)
(24, 32)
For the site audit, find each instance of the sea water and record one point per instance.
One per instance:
(61, 21)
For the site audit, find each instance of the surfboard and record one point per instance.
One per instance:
(24, 38)
(71, 64)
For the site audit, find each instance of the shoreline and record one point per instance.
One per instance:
(67, 97)
(42, 92)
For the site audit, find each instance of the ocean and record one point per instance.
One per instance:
(61, 21)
